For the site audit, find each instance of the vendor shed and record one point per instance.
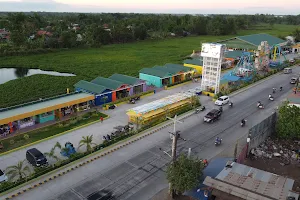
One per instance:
(102, 94)
(197, 64)
(155, 77)
(26, 115)
(119, 90)
(188, 72)
(178, 74)
(296, 48)
(153, 111)
(136, 85)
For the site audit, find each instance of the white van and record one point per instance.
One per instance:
(287, 70)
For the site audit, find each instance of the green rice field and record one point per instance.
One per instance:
(89, 63)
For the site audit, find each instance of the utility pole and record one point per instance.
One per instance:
(175, 136)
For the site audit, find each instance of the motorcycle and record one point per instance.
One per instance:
(197, 111)
(218, 142)
(132, 101)
(230, 104)
(260, 106)
(271, 98)
(202, 108)
(280, 88)
(243, 123)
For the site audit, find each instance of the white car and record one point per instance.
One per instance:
(222, 100)
(3, 177)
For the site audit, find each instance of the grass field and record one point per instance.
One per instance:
(89, 63)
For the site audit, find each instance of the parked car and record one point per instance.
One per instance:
(36, 158)
(222, 100)
(3, 177)
(212, 116)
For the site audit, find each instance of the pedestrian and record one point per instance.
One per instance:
(101, 119)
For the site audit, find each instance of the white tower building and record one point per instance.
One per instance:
(213, 54)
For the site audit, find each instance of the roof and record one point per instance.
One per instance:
(251, 41)
(91, 87)
(251, 181)
(125, 79)
(108, 83)
(294, 98)
(180, 67)
(171, 99)
(170, 70)
(46, 105)
(197, 62)
(234, 54)
(155, 72)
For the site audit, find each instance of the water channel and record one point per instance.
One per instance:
(7, 74)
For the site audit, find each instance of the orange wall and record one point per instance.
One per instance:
(114, 96)
(173, 79)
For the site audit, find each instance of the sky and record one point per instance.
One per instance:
(279, 7)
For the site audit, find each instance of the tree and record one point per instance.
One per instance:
(296, 34)
(87, 141)
(51, 154)
(184, 173)
(18, 172)
(288, 125)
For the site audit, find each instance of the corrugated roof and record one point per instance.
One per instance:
(180, 67)
(10, 115)
(235, 54)
(169, 70)
(124, 79)
(256, 39)
(197, 62)
(155, 72)
(256, 180)
(91, 87)
(108, 83)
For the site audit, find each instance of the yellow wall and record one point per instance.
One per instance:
(196, 67)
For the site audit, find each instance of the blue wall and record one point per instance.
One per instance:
(151, 80)
(48, 118)
(99, 101)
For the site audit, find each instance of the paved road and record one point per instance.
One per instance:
(137, 171)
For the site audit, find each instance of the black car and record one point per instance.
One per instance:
(36, 158)
(212, 116)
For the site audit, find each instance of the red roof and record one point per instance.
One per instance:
(41, 32)
(105, 26)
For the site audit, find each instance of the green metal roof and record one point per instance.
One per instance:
(155, 72)
(92, 87)
(251, 41)
(197, 62)
(41, 105)
(108, 83)
(124, 79)
(256, 39)
(235, 54)
(180, 67)
(169, 70)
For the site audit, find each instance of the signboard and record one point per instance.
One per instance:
(212, 50)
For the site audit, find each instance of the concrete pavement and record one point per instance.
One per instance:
(137, 171)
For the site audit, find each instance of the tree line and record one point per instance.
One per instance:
(93, 30)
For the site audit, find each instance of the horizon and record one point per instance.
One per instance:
(154, 7)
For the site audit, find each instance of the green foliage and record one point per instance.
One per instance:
(288, 125)
(48, 131)
(88, 142)
(185, 173)
(18, 172)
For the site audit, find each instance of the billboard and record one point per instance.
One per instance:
(212, 50)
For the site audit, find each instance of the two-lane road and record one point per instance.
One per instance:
(137, 171)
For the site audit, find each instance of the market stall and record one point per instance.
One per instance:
(157, 109)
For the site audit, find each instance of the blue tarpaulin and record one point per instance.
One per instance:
(212, 170)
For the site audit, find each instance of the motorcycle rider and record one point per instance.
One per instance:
(258, 103)
(218, 140)
(230, 104)
(221, 109)
(274, 90)
(270, 96)
(280, 88)
(243, 122)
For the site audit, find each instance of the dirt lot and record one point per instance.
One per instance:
(279, 157)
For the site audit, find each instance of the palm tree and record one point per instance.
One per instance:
(87, 141)
(51, 154)
(18, 172)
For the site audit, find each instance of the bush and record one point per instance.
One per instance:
(26, 136)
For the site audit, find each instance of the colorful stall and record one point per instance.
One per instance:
(155, 77)
(155, 110)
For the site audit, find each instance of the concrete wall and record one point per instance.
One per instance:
(151, 80)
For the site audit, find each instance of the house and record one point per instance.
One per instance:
(296, 48)
(237, 182)
(44, 33)
(119, 90)
(102, 94)
(177, 74)
(155, 77)
(251, 42)
(4, 35)
(197, 64)
(188, 72)
(136, 85)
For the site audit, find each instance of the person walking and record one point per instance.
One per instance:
(101, 119)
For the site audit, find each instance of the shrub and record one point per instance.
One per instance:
(26, 136)
(11, 141)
